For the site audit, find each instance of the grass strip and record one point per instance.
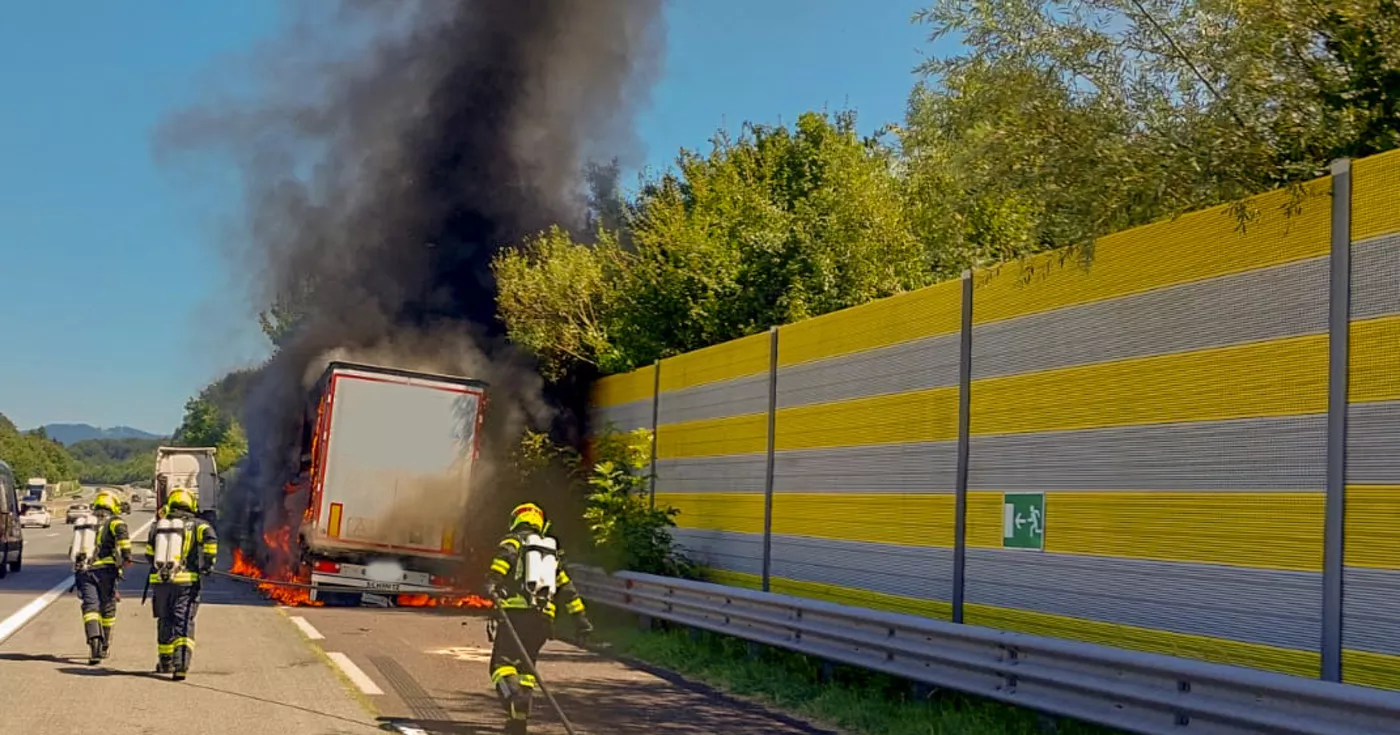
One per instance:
(852, 700)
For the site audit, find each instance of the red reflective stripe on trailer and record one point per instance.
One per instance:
(421, 382)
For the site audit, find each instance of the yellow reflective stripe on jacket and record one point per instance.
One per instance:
(502, 672)
(165, 649)
(512, 541)
(518, 602)
(182, 642)
(91, 617)
(561, 579)
(500, 566)
(185, 577)
(575, 606)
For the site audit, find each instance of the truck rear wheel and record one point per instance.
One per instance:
(19, 559)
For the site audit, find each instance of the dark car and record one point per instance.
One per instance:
(11, 537)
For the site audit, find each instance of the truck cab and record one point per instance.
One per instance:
(194, 469)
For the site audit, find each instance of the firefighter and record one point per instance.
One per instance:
(96, 580)
(175, 590)
(528, 600)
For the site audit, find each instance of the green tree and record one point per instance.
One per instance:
(775, 225)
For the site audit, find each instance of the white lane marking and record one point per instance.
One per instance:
(307, 628)
(12, 624)
(50, 535)
(353, 672)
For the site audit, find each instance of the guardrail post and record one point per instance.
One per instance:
(768, 472)
(964, 439)
(1338, 364)
(655, 416)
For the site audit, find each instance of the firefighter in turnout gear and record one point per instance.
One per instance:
(182, 548)
(96, 572)
(527, 579)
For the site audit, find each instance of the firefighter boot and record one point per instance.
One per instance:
(166, 665)
(179, 675)
(94, 650)
(517, 727)
(106, 642)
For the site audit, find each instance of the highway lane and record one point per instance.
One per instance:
(314, 670)
(253, 672)
(429, 668)
(45, 563)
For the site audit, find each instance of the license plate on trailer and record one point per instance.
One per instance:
(390, 586)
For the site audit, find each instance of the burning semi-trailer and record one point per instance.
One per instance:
(386, 470)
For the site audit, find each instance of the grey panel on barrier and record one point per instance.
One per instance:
(735, 473)
(917, 467)
(1284, 453)
(1211, 313)
(1375, 271)
(1138, 692)
(1270, 607)
(919, 572)
(1373, 443)
(917, 365)
(1372, 610)
(721, 399)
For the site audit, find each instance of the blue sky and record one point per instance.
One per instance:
(116, 304)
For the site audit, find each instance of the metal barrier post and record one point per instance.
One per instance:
(768, 473)
(1339, 332)
(964, 439)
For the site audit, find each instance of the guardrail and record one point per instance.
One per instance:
(1134, 691)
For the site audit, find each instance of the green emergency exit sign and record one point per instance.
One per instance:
(1023, 521)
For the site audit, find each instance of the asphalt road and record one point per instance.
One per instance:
(314, 671)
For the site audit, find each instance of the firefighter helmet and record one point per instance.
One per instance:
(107, 501)
(527, 514)
(182, 499)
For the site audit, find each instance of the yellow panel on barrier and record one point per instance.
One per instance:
(734, 359)
(917, 416)
(928, 312)
(1375, 196)
(1276, 378)
(1375, 360)
(1370, 669)
(747, 434)
(862, 598)
(924, 519)
(1371, 520)
(1218, 650)
(615, 390)
(1193, 247)
(736, 512)
(1262, 530)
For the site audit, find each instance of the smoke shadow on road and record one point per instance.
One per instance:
(42, 657)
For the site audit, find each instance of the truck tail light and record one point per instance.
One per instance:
(437, 581)
(326, 567)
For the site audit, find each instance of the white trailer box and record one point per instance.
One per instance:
(391, 454)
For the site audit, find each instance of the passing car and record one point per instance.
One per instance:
(76, 511)
(11, 539)
(33, 514)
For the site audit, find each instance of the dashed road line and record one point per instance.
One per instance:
(352, 672)
(306, 628)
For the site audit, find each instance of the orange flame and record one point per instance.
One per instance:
(420, 600)
(292, 596)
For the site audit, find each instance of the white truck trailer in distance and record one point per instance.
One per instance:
(194, 469)
(387, 457)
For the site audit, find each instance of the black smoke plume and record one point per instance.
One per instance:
(387, 152)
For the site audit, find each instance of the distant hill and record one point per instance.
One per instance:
(69, 434)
